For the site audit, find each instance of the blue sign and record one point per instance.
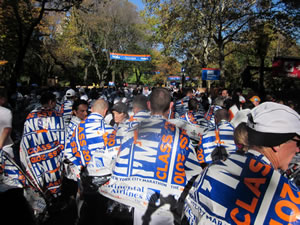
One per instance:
(210, 74)
(171, 78)
(177, 78)
(130, 57)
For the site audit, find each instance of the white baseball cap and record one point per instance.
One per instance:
(70, 93)
(271, 124)
(242, 99)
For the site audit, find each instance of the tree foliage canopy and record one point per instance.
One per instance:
(71, 40)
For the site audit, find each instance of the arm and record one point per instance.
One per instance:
(4, 135)
(6, 123)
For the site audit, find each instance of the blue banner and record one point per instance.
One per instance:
(130, 57)
(210, 74)
(178, 78)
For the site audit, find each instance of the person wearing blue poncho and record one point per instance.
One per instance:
(155, 162)
(79, 113)
(66, 107)
(92, 143)
(181, 105)
(248, 188)
(140, 113)
(92, 150)
(43, 143)
(220, 136)
(192, 115)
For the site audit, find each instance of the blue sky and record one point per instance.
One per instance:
(138, 3)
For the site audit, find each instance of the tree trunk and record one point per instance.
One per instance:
(85, 75)
(23, 45)
(261, 76)
(137, 75)
(221, 62)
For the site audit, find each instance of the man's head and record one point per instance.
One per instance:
(70, 94)
(188, 92)
(48, 100)
(193, 104)
(224, 93)
(120, 112)
(80, 109)
(255, 100)
(219, 101)
(160, 101)
(277, 127)
(221, 114)
(100, 106)
(139, 103)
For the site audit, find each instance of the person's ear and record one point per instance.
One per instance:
(105, 112)
(276, 148)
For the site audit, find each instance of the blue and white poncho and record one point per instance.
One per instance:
(244, 189)
(222, 135)
(93, 144)
(154, 158)
(42, 146)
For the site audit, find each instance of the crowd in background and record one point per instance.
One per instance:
(219, 116)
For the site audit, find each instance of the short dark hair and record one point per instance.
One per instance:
(193, 104)
(222, 114)
(79, 102)
(140, 101)
(187, 90)
(160, 99)
(46, 97)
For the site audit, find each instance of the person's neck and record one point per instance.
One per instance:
(46, 107)
(269, 153)
(164, 115)
(99, 113)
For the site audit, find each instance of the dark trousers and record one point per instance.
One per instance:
(14, 208)
(94, 211)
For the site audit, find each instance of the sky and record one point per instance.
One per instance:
(138, 3)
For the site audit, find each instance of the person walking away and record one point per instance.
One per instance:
(66, 107)
(181, 105)
(217, 139)
(92, 147)
(155, 162)
(140, 111)
(248, 188)
(42, 146)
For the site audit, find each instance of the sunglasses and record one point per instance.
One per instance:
(298, 142)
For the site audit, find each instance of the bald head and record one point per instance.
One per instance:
(100, 106)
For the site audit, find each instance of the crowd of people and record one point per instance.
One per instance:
(149, 156)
